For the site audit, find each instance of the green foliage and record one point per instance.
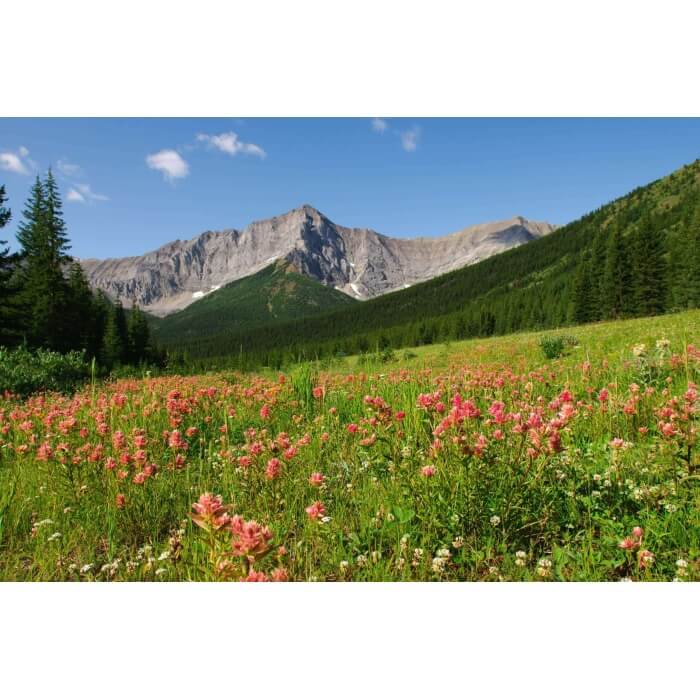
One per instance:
(114, 345)
(304, 379)
(649, 272)
(585, 294)
(138, 336)
(24, 372)
(556, 346)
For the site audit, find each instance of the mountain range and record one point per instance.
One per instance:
(358, 262)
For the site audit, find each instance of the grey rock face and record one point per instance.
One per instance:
(360, 262)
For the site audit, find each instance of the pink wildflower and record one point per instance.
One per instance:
(209, 512)
(250, 539)
(316, 511)
(274, 467)
(317, 479)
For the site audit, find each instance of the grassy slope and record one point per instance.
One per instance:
(528, 281)
(270, 296)
(609, 340)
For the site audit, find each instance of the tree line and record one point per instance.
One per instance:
(646, 272)
(45, 299)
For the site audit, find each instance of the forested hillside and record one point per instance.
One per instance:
(274, 294)
(637, 255)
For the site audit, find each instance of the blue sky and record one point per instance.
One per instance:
(130, 185)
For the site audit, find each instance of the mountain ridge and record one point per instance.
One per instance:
(360, 262)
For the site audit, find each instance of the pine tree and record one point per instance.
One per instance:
(56, 226)
(122, 329)
(597, 273)
(684, 268)
(43, 287)
(649, 280)
(139, 337)
(616, 288)
(584, 296)
(694, 257)
(81, 320)
(31, 232)
(113, 344)
(102, 308)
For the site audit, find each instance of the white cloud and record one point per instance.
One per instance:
(230, 143)
(16, 162)
(168, 162)
(379, 125)
(409, 139)
(68, 169)
(83, 193)
(74, 196)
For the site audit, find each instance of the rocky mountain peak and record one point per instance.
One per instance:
(360, 262)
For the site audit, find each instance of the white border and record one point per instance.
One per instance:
(365, 58)
(175, 58)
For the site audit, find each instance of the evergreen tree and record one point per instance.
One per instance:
(113, 345)
(56, 227)
(102, 308)
(138, 333)
(616, 289)
(693, 280)
(81, 320)
(649, 282)
(597, 272)
(43, 287)
(31, 232)
(584, 294)
(684, 269)
(122, 330)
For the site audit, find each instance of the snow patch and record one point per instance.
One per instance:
(406, 286)
(215, 287)
(198, 295)
(355, 289)
(272, 259)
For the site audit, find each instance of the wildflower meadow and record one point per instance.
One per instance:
(488, 460)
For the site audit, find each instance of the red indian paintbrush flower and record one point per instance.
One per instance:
(316, 511)
(209, 512)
